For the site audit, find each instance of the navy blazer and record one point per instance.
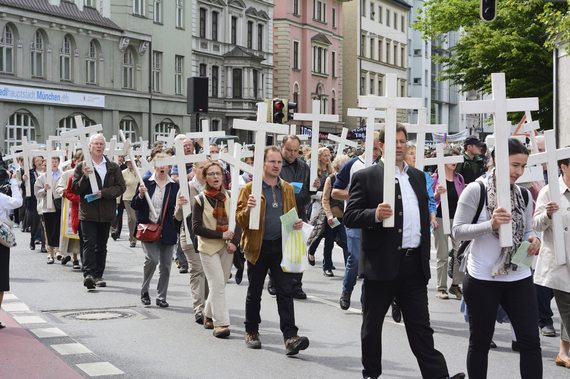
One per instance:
(168, 236)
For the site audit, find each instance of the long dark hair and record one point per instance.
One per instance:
(515, 147)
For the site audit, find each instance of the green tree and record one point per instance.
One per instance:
(515, 43)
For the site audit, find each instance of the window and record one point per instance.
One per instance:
(417, 80)
(362, 41)
(178, 75)
(426, 75)
(362, 79)
(395, 55)
(319, 60)
(91, 64)
(203, 69)
(88, 3)
(128, 70)
(202, 23)
(254, 73)
(250, 34)
(372, 11)
(138, 7)
(403, 57)
(214, 26)
(19, 125)
(260, 37)
(7, 51)
(215, 125)
(402, 23)
(296, 7)
(296, 55)
(234, 30)
(156, 69)
(387, 52)
(387, 17)
(363, 8)
(334, 17)
(37, 56)
(163, 128)
(157, 11)
(403, 89)
(179, 14)
(215, 79)
(371, 48)
(379, 87)
(333, 59)
(417, 52)
(296, 97)
(379, 50)
(371, 89)
(237, 83)
(65, 60)
(128, 128)
(379, 14)
(395, 21)
(333, 106)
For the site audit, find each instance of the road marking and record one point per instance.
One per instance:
(99, 369)
(9, 296)
(48, 332)
(15, 307)
(71, 348)
(29, 320)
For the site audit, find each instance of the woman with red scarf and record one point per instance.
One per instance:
(216, 245)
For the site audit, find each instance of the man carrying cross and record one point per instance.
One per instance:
(473, 165)
(188, 149)
(96, 216)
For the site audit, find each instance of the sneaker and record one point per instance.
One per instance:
(49, 260)
(58, 257)
(65, 259)
(294, 344)
(442, 295)
(252, 340)
(221, 331)
(76, 265)
(89, 282)
(548, 331)
(133, 244)
(456, 290)
(99, 282)
(183, 270)
(208, 323)
(345, 300)
(16, 225)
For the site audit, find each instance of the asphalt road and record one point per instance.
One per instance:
(152, 342)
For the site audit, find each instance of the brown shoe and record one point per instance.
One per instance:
(456, 290)
(442, 295)
(208, 323)
(252, 340)
(561, 362)
(221, 331)
(294, 344)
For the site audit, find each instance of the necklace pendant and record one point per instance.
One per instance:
(275, 205)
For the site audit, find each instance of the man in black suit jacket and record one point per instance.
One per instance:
(394, 261)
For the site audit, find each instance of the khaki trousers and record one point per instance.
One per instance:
(198, 284)
(217, 268)
(442, 247)
(131, 220)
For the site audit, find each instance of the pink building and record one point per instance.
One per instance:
(307, 56)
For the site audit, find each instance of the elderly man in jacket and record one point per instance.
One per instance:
(263, 252)
(96, 217)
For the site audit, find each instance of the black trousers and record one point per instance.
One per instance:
(95, 236)
(53, 227)
(270, 259)
(518, 299)
(544, 296)
(117, 225)
(410, 287)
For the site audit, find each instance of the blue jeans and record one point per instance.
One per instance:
(329, 244)
(351, 271)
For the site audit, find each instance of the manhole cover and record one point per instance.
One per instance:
(99, 315)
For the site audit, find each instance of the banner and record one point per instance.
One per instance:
(66, 227)
(309, 132)
(41, 95)
(457, 137)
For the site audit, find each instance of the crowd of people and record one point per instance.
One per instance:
(347, 209)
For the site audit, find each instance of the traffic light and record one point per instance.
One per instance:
(278, 109)
(290, 108)
(488, 10)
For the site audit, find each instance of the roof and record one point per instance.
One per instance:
(65, 10)
(238, 52)
(402, 3)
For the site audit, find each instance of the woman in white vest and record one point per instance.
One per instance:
(216, 245)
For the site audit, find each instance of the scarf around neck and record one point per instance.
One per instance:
(518, 209)
(219, 208)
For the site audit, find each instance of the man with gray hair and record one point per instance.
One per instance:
(96, 216)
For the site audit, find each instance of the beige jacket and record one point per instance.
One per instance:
(41, 193)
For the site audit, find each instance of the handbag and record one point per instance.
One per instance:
(7, 238)
(150, 232)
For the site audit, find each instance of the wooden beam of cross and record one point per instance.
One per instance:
(180, 159)
(316, 117)
(342, 141)
(371, 114)
(234, 158)
(82, 133)
(141, 143)
(51, 153)
(144, 152)
(391, 103)
(205, 135)
(421, 129)
(500, 106)
(128, 151)
(25, 151)
(551, 157)
(168, 140)
(302, 137)
(114, 149)
(441, 161)
(531, 173)
(261, 127)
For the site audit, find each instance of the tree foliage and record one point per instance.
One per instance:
(516, 43)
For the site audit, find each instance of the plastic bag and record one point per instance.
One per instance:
(295, 250)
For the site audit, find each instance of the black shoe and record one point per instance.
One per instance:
(311, 260)
(515, 346)
(32, 246)
(299, 294)
(99, 282)
(199, 318)
(43, 249)
(458, 376)
(114, 236)
(76, 265)
(89, 282)
(145, 299)
(239, 276)
(345, 300)
(133, 244)
(271, 288)
(161, 303)
(50, 260)
(328, 273)
(183, 270)
(396, 312)
(65, 259)
(294, 344)
(493, 345)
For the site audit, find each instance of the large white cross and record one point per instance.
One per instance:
(371, 114)
(441, 161)
(261, 127)
(26, 153)
(531, 173)
(421, 129)
(233, 158)
(205, 135)
(128, 151)
(500, 106)
(142, 143)
(342, 140)
(391, 103)
(114, 149)
(551, 157)
(51, 153)
(82, 132)
(168, 140)
(302, 137)
(316, 117)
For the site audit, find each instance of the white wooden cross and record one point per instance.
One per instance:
(531, 173)
(205, 135)
(51, 153)
(371, 114)
(391, 102)
(342, 141)
(499, 106)
(421, 129)
(142, 143)
(302, 137)
(128, 151)
(316, 117)
(144, 152)
(261, 127)
(180, 159)
(82, 132)
(551, 157)
(168, 140)
(233, 158)
(26, 153)
(441, 161)
(114, 149)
